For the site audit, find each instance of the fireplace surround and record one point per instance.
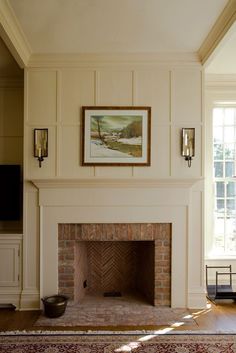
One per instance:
(177, 203)
(98, 258)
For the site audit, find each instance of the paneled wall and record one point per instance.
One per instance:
(54, 95)
(54, 98)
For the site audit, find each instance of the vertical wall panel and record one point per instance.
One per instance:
(70, 162)
(186, 96)
(195, 242)
(42, 97)
(77, 89)
(115, 88)
(160, 154)
(31, 238)
(153, 89)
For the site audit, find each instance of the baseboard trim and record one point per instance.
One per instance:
(30, 300)
(197, 299)
(10, 298)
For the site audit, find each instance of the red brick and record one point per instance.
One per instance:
(147, 232)
(109, 232)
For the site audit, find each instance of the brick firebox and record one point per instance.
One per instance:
(73, 240)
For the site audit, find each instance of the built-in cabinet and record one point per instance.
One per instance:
(10, 268)
(10, 251)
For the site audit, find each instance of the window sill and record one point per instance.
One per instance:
(220, 257)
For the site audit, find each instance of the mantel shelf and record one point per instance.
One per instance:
(114, 183)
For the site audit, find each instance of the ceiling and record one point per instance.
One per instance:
(119, 26)
(116, 26)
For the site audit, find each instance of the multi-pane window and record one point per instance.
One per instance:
(224, 148)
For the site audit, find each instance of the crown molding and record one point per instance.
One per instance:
(218, 31)
(226, 81)
(12, 34)
(99, 60)
(113, 183)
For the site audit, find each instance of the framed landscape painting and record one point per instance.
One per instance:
(116, 136)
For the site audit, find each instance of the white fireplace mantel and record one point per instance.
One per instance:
(178, 201)
(118, 183)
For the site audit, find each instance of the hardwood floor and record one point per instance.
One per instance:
(17, 320)
(220, 317)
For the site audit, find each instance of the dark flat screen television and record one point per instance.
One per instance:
(10, 192)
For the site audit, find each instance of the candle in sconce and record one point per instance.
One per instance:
(188, 144)
(186, 139)
(40, 144)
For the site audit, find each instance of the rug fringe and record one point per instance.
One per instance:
(113, 333)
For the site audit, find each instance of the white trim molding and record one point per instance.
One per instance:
(114, 183)
(220, 81)
(108, 59)
(11, 297)
(131, 204)
(13, 35)
(218, 31)
(30, 299)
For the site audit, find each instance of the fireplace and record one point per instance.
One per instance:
(124, 258)
(73, 209)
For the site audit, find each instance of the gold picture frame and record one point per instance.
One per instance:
(116, 136)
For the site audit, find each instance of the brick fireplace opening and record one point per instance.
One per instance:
(130, 258)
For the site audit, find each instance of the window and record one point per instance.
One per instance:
(224, 150)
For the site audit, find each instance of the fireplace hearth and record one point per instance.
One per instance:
(130, 258)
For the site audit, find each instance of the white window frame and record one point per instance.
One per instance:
(217, 94)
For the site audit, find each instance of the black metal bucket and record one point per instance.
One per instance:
(55, 305)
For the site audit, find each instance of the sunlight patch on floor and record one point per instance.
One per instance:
(188, 317)
(199, 313)
(132, 346)
(128, 347)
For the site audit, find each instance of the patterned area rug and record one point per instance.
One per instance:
(74, 343)
(118, 312)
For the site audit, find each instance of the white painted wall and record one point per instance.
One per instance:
(54, 94)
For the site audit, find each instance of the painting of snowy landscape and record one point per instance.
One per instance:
(116, 136)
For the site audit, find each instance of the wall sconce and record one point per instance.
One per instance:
(40, 144)
(188, 144)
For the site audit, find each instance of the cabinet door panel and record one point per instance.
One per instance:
(9, 265)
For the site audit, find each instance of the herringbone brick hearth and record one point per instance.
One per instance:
(112, 266)
(115, 257)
